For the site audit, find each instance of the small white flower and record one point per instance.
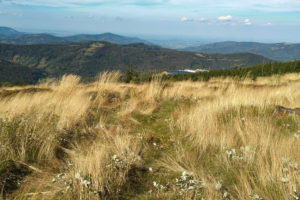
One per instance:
(70, 164)
(285, 170)
(150, 169)
(193, 181)
(247, 149)
(218, 186)
(155, 184)
(229, 153)
(233, 151)
(77, 176)
(225, 195)
(68, 187)
(191, 188)
(114, 157)
(284, 179)
(294, 166)
(85, 183)
(257, 197)
(285, 160)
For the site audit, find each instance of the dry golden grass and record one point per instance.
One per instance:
(110, 140)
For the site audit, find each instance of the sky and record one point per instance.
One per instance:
(238, 20)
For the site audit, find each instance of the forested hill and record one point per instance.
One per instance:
(18, 74)
(88, 59)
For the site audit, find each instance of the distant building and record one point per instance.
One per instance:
(186, 71)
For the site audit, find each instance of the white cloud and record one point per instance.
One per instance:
(225, 18)
(247, 22)
(202, 19)
(185, 19)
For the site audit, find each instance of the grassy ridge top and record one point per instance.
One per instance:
(182, 140)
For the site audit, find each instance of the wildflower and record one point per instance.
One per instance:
(191, 188)
(114, 157)
(294, 166)
(68, 187)
(155, 184)
(225, 195)
(85, 183)
(229, 153)
(285, 170)
(218, 186)
(193, 181)
(247, 149)
(285, 160)
(284, 179)
(257, 197)
(184, 175)
(70, 164)
(53, 180)
(77, 176)
(150, 169)
(233, 151)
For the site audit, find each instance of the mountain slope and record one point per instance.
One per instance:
(50, 39)
(277, 51)
(7, 32)
(88, 59)
(12, 72)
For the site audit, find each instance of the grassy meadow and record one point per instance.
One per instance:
(219, 139)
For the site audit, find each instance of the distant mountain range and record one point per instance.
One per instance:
(89, 58)
(11, 36)
(276, 51)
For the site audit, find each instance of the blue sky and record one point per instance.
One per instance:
(241, 20)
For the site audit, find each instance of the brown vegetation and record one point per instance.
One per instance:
(158, 140)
